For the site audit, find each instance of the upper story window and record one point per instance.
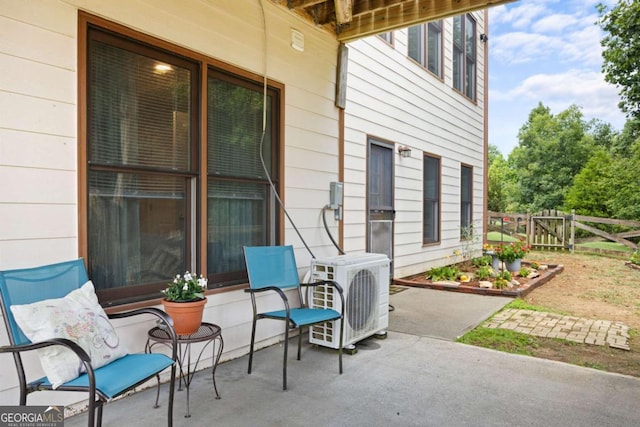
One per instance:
(466, 199)
(431, 199)
(464, 55)
(150, 210)
(416, 48)
(388, 36)
(434, 47)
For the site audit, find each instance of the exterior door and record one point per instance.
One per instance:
(380, 207)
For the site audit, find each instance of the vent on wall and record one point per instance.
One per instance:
(364, 279)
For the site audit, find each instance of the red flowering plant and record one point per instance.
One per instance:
(509, 252)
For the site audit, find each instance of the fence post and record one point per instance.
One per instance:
(572, 242)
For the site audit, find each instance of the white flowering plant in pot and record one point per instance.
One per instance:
(186, 287)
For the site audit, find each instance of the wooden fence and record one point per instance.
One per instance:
(556, 229)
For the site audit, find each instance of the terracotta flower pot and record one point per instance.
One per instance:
(186, 316)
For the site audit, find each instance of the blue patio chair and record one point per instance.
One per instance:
(273, 268)
(56, 281)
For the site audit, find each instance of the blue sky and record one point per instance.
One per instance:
(546, 51)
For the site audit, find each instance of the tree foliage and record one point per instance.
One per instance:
(592, 191)
(497, 177)
(563, 162)
(552, 150)
(621, 65)
(625, 199)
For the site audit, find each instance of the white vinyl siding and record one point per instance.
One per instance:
(39, 134)
(419, 110)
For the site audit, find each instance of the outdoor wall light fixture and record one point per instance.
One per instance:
(484, 38)
(404, 151)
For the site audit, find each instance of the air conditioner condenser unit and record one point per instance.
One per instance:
(364, 278)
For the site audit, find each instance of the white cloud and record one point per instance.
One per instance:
(554, 23)
(522, 47)
(519, 16)
(584, 46)
(586, 89)
(529, 32)
(546, 51)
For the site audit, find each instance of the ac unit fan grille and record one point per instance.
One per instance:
(361, 301)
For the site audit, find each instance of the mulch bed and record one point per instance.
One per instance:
(419, 281)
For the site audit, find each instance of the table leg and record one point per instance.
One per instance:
(214, 362)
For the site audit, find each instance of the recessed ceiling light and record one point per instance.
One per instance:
(163, 68)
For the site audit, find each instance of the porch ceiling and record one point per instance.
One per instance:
(353, 19)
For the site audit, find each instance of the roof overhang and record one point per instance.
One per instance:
(349, 20)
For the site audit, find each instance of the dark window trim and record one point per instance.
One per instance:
(440, 26)
(87, 21)
(426, 155)
(392, 39)
(422, 39)
(470, 168)
(462, 48)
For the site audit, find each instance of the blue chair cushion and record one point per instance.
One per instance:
(122, 374)
(306, 316)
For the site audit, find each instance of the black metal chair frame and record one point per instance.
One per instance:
(290, 323)
(96, 399)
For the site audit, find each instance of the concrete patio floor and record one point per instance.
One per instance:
(407, 379)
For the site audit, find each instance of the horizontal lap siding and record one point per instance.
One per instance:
(393, 98)
(38, 127)
(37, 134)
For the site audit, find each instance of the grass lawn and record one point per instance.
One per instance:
(496, 236)
(591, 286)
(607, 246)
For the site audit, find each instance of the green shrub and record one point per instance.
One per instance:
(506, 275)
(484, 272)
(481, 261)
(447, 272)
(501, 283)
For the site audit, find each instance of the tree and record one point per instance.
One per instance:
(497, 180)
(592, 192)
(551, 151)
(621, 53)
(625, 203)
(622, 143)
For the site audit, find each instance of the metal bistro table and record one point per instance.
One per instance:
(207, 333)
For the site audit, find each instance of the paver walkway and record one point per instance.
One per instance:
(549, 325)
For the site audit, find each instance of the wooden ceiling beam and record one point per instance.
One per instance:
(362, 18)
(402, 14)
(303, 4)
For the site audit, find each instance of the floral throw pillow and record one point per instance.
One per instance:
(78, 317)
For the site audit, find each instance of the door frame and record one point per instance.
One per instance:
(387, 214)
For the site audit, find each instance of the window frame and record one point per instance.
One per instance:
(437, 200)
(464, 62)
(273, 225)
(421, 39)
(438, 26)
(197, 220)
(466, 204)
(388, 37)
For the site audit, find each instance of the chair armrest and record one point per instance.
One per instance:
(163, 316)
(275, 289)
(268, 288)
(331, 283)
(79, 351)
